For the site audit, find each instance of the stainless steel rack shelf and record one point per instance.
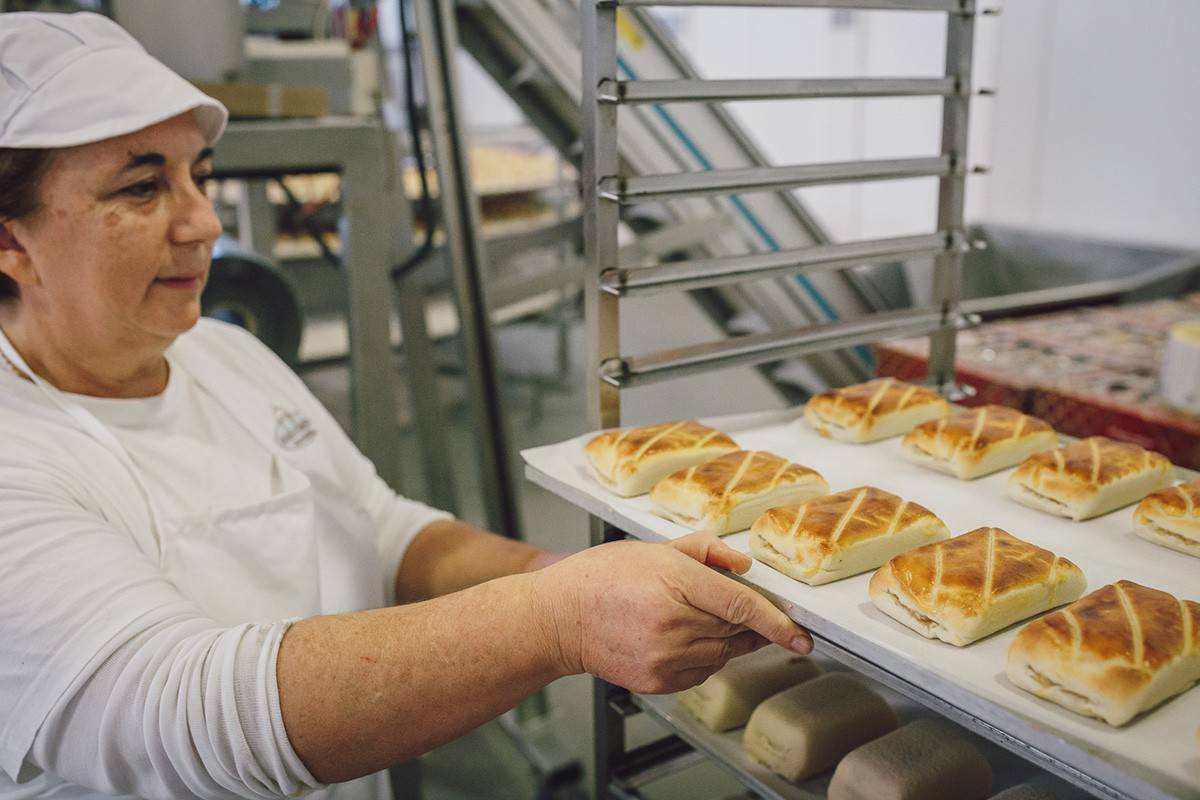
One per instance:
(703, 273)
(609, 282)
(646, 188)
(721, 91)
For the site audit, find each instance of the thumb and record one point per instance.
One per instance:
(712, 552)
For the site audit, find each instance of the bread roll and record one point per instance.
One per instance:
(1090, 477)
(924, 760)
(842, 534)
(1171, 518)
(971, 443)
(729, 492)
(805, 730)
(1121, 650)
(726, 699)
(629, 462)
(874, 410)
(973, 585)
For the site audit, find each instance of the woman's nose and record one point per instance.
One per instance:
(196, 221)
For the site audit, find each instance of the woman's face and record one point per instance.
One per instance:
(121, 245)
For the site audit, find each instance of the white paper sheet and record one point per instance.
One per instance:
(1156, 755)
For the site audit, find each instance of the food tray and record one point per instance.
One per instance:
(1155, 756)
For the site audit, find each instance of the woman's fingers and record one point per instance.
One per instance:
(712, 552)
(718, 651)
(741, 605)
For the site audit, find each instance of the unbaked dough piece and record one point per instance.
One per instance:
(726, 700)
(1029, 791)
(805, 730)
(923, 760)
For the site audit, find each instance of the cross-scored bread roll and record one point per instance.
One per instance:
(873, 410)
(629, 462)
(971, 443)
(833, 537)
(1121, 650)
(805, 730)
(973, 585)
(728, 493)
(1090, 477)
(726, 700)
(923, 760)
(1171, 518)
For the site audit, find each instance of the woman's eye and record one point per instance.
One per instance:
(202, 180)
(143, 190)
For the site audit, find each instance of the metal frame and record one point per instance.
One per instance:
(608, 281)
(360, 151)
(464, 246)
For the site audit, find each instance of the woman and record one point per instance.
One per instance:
(206, 590)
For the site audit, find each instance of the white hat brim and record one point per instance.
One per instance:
(73, 107)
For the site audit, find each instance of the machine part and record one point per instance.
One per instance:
(309, 224)
(200, 41)
(247, 290)
(412, 115)
(460, 220)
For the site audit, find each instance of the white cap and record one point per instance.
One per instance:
(69, 79)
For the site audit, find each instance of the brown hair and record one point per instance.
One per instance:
(21, 172)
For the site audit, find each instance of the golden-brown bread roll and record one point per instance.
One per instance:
(833, 537)
(1171, 518)
(924, 760)
(629, 462)
(1120, 651)
(973, 585)
(1090, 477)
(805, 730)
(728, 493)
(874, 410)
(971, 443)
(726, 700)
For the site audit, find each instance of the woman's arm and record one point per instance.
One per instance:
(450, 555)
(361, 691)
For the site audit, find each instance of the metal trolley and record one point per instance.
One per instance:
(619, 771)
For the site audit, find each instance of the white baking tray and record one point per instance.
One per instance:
(1155, 756)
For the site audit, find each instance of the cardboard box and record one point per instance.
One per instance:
(271, 101)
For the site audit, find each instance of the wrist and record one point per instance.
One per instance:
(554, 613)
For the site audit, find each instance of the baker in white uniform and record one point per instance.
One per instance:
(205, 589)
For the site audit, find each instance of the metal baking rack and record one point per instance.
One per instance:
(620, 771)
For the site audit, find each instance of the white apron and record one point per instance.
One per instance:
(305, 551)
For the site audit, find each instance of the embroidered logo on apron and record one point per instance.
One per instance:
(293, 430)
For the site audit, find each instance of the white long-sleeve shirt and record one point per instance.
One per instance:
(113, 680)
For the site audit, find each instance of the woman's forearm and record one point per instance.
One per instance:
(450, 555)
(361, 691)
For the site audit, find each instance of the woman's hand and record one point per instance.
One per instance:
(655, 618)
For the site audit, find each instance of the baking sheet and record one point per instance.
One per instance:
(1155, 756)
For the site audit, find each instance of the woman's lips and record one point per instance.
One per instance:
(182, 282)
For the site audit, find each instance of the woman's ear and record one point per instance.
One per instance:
(14, 260)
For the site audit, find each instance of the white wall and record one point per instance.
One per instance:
(764, 43)
(1095, 132)
(1097, 128)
